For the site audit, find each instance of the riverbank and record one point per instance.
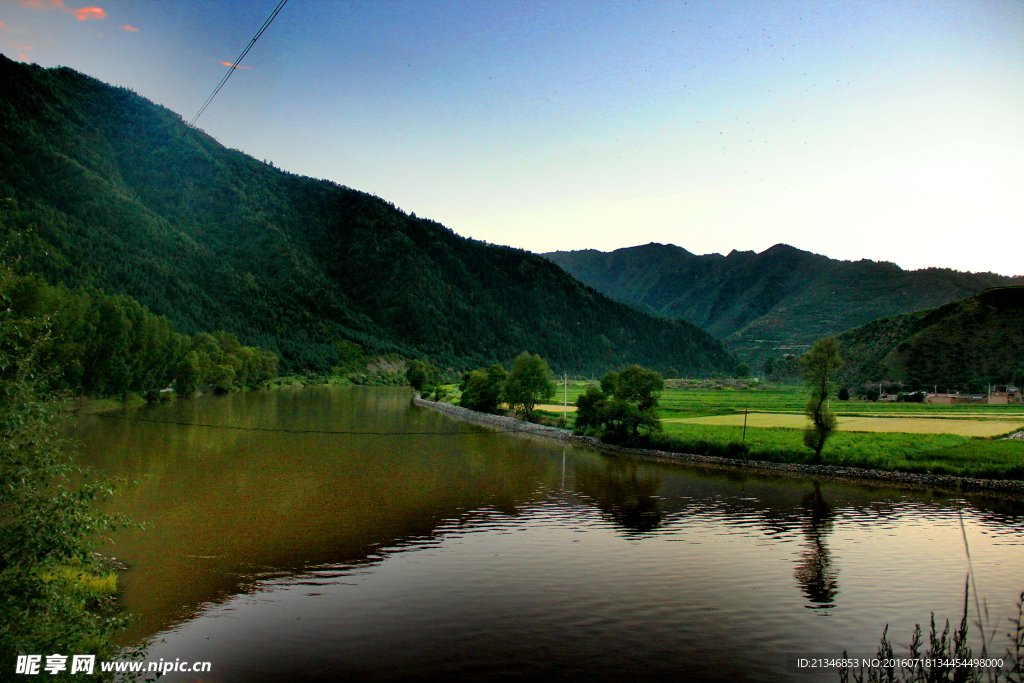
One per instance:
(854, 474)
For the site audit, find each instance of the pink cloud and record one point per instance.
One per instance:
(22, 57)
(3, 25)
(129, 27)
(90, 13)
(235, 65)
(81, 14)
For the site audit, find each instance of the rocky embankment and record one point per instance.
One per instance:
(932, 481)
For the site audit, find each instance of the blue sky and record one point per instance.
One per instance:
(884, 130)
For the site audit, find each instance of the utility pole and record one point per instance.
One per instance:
(745, 411)
(565, 396)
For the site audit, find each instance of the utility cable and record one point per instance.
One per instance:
(231, 69)
(310, 431)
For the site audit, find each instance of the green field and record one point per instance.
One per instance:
(909, 452)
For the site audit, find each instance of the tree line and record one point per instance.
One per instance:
(111, 345)
(485, 390)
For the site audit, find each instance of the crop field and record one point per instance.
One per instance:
(910, 425)
(913, 437)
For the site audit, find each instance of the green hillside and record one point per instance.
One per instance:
(112, 191)
(772, 303)
(962, 345)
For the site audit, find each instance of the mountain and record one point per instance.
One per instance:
(961, 345)
(101, 188)
(772, 303)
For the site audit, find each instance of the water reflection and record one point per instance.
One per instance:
(815, 573)
(624, 494)
(354, 557)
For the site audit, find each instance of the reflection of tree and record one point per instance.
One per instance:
(815, 574)
(622, 494)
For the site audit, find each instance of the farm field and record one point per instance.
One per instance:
(910, 425)
(911, 437)
(697, 402)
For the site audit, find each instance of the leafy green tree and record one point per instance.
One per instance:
(742, 370)
(46, 519)
(483, 390)
(625, 404)
(769, 366)
(844, 394)
(422, 374)
(590, 409)
(640, 386)
(819, 366)
(527, 383)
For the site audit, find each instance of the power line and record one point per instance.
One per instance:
(234, 65)
(310, 431)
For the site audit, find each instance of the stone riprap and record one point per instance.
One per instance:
(940, 481)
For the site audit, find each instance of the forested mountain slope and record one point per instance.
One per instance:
(775, 302)
(112, 191)
(962, 345)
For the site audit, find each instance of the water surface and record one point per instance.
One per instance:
(432, 548)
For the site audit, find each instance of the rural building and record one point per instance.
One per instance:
(939, 399)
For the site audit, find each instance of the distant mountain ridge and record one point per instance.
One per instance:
(772, 303)
(963, 345)
(109, 190)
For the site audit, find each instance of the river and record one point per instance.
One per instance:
(280, 545)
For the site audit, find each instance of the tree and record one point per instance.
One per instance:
(844, 394)
(482, 390)
(590, 409)
(742, 370)
(47, 520)
(528, 382)
(422, 375)
(640, 386)
(819, 365)
(625, 404)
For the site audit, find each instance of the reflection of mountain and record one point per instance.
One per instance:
(815, 573)
(621, 493)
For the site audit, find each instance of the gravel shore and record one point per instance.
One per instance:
(855, 474)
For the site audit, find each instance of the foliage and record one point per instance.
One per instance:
(843, 394)
(528, 382)
(820, 365)
(422, 374)
(893, 451)
(54, 594)
(742, 370)
(483, 390)
(625, 404)
(947, 657)
(114, 192)
(220, 362)
(101, 345)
